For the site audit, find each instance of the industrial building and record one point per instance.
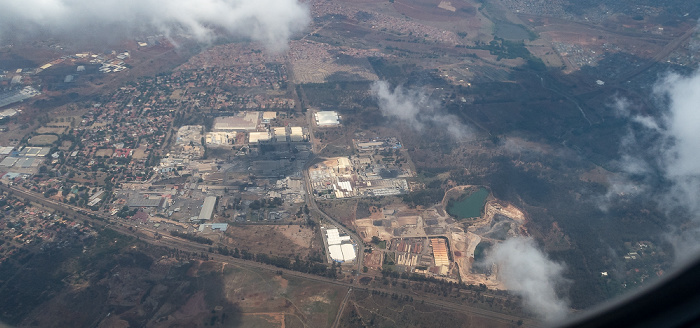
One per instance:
(267, 117)
(207, 208)
(297, 134)
(6, 150)
(220, 138)
(327, 118)
(340, 248)
(280, 133)
(145, 202)
(9, 161)
(14, 96)
(442, 261)
(213, 227)
(256, 137)
(35, 151)
(8, 113)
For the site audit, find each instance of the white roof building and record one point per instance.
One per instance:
(268, 116)
(255, 137)
(327, 118)
(339, 247)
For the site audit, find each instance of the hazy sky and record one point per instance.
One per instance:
(271, 22)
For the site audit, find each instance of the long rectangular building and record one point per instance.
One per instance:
(440, 252)
(207, 208)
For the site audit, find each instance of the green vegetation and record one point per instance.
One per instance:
(380, 243)
(469, 206)
(424, 197)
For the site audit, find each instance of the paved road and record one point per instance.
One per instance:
(311, 202)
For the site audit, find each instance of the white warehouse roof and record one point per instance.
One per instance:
(342, 253)
(255, 137)
(348, 252)
(327, 118)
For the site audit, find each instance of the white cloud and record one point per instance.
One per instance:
(414, 107)
(271, 22)
(528, 272)
(682, 157)
(668, 146)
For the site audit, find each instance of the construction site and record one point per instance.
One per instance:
(431, 242)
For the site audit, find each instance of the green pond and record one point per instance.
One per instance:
(469, 207)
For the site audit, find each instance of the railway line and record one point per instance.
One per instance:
(101, 220)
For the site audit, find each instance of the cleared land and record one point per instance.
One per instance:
(280, 240)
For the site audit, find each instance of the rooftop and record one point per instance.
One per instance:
(327, 118)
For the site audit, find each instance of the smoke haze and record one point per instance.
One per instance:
(271, 22)
(528, 272)
(414, 107)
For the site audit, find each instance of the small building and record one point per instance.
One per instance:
(267, 117)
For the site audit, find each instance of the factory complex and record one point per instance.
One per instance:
(364, 175)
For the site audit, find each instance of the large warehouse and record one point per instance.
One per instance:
(340, 247)
(327, 118)
(207, 208)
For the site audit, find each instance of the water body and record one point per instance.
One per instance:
(470, 206)
(511, 32)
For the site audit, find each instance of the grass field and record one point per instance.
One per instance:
(42, 140)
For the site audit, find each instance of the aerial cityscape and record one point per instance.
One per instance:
(343, 163)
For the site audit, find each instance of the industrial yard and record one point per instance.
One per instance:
(378, 168)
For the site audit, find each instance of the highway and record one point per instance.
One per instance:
(192, 247)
